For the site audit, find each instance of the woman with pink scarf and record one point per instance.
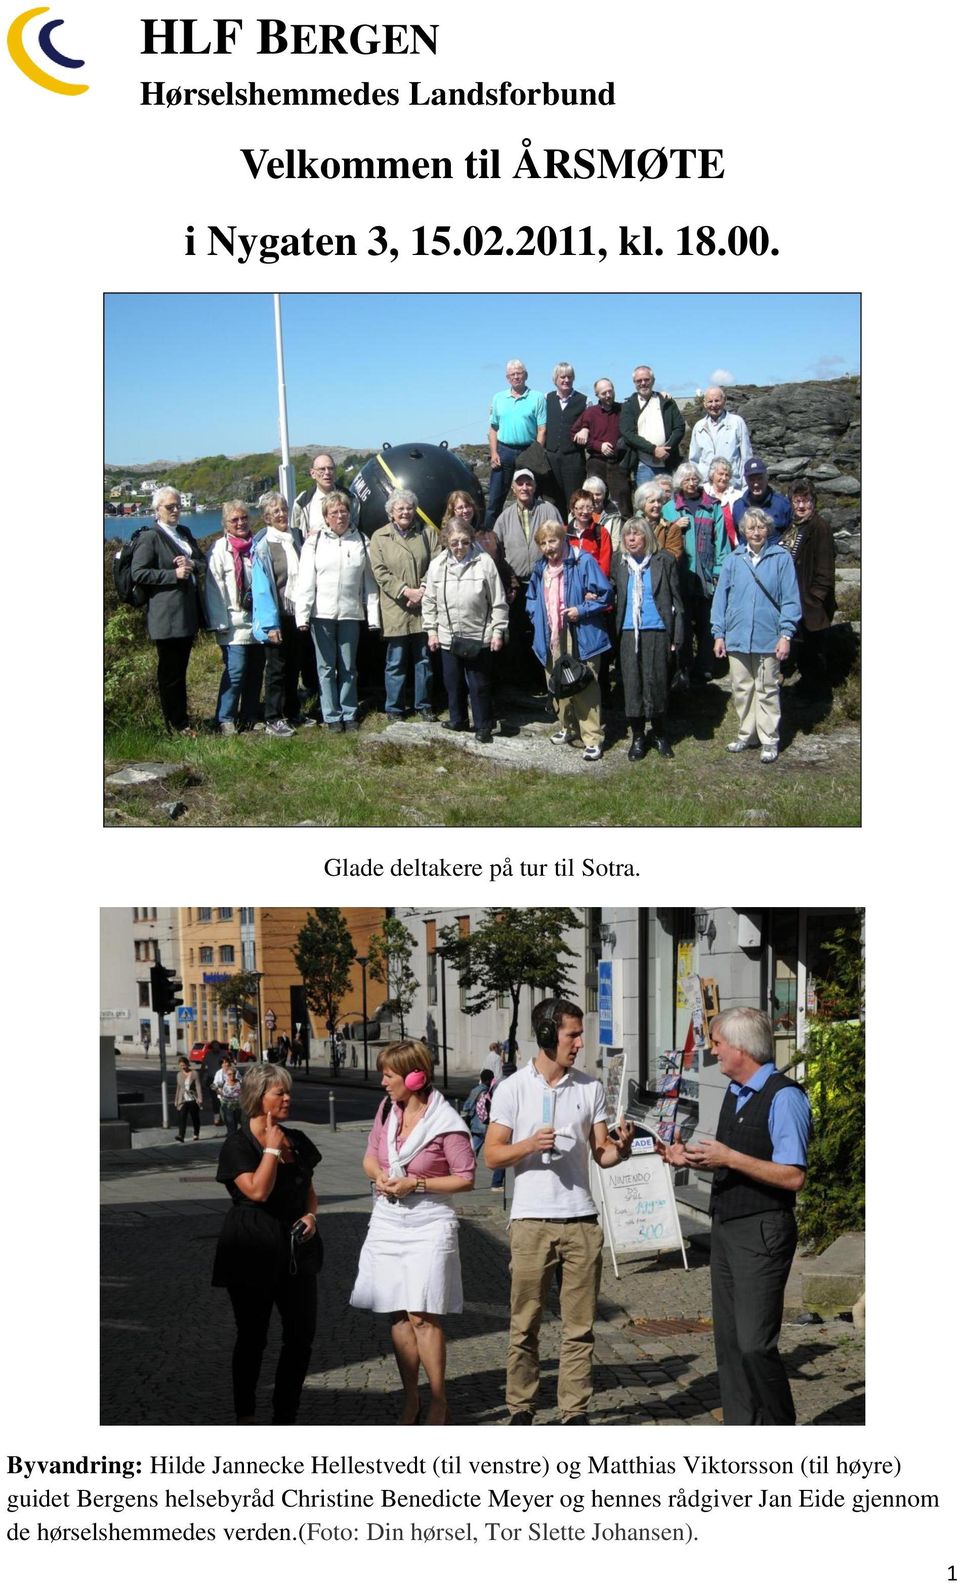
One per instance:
(230, 617)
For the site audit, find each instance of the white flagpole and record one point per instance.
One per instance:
(287, 475)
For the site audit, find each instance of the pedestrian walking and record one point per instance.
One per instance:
(188, 1098)
(475, 1110)
(229, 1089)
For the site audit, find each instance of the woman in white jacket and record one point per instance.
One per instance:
(465, 617)
(227, 592)
(336, 592)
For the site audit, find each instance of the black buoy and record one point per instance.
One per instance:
(431, 471)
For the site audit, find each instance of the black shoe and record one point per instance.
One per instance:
(576, 1421)
(663, 747)
(639, 749)
(428, 716)
(351, 725)
(452, 725)
(486, 737)
(521, 1418)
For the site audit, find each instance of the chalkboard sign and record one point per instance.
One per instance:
(639, 1208)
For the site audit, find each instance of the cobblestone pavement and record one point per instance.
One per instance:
(162, 1211)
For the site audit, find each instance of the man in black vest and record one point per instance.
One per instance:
(567, 466)
(759, 1159)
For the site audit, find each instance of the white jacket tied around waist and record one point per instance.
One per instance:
(464, 598)
(336, 581)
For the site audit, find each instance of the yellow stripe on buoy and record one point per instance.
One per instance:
(397, 485)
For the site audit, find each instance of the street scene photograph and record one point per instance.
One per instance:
(405, 559)
(399, 1165)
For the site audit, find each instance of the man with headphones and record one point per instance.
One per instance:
(547, 1121)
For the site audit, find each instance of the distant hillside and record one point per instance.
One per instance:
(213, 479)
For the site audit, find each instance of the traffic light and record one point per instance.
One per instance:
(164, 989)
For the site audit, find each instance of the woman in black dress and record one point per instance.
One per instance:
(269, 1252)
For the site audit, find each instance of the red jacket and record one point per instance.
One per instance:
(596, 542)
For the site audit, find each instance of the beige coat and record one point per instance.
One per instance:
(401, 562)
(196, 1093)
(465, 598)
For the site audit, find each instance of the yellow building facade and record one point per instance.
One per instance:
(216, 942)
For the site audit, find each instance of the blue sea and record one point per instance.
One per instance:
(200, 524)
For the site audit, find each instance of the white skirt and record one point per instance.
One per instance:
(410, 1261)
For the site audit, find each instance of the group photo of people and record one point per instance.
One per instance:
(630, 568)
(652, 574)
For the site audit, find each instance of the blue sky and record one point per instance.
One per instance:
(194, 374)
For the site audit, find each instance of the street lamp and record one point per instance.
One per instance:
(260, 1047)
(363, 960)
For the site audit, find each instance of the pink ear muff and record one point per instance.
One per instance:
(415, 1080)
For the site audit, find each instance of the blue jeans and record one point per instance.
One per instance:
(645, 473)
(500, 480)
(401, 651)
(240, 683)
(336, 645)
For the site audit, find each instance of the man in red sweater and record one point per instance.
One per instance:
(597, 429)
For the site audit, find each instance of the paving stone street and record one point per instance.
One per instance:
(161, 1214)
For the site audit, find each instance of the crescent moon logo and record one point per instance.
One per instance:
(30, 69)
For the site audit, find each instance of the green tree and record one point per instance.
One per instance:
(237, 993)
(323, 953)
(507, 950)
(833, 1199)
(390, 953)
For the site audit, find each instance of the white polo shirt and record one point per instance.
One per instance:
(561, 1189)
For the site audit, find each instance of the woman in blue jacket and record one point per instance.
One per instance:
(756, 611)
(567, 597)
(276, 568)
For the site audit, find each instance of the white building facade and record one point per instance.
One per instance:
(131, 940)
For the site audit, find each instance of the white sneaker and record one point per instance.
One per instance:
(591, 755)
(769, 755)
(563, 739)
(279, 728)
(739, 747)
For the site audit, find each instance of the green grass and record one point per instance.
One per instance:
(372, 779)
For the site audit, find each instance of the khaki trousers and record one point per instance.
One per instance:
(571, 1251)
(756, 696)
(580, 715)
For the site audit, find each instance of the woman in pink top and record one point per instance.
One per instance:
(418, 1153)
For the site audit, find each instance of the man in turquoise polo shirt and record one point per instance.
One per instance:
(518, 416)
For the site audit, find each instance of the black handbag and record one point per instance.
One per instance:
(463, 648)
(568, 675)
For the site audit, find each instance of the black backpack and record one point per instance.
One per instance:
(123, 582)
